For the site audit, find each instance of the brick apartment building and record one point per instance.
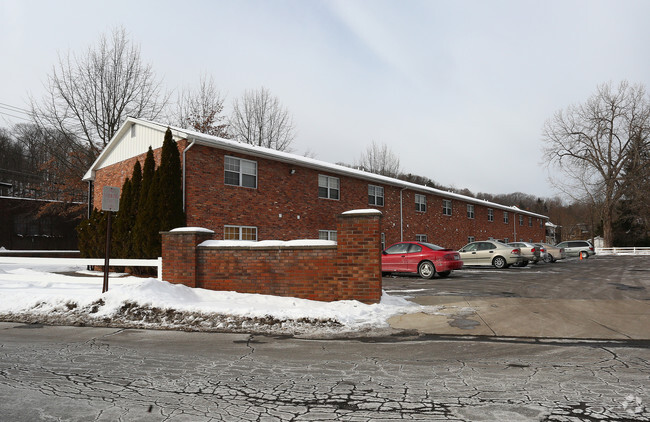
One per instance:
(246, 192)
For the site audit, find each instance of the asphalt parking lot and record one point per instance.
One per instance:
(603, 297)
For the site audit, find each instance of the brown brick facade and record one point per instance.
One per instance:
(351, 270)
(285, 204)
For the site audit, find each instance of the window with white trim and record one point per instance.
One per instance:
(328, 187)
(383, 241)
(240, 233)
(505, 217)
(327, 235)
(471, 239)
(506, 240)
(375, 195)
(470, 211)
(420, 237)
(521, 220)
(490, 214)
(446, 207)
(530, 221)
(420, 203)
(240, 172)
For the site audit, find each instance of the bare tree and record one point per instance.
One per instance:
(259, 119)
(90, 95)
(591, 143)
(380, 159)
(201, 109)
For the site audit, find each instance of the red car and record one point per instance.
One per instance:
(425, 259)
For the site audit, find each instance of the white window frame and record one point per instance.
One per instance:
(420, 237)
(447, 208)
(471, 239)
(327, 235)
(377, 193)
(521, 220)
(240, 232)
(328, 184)
(490, 215)
(240, 171)
(383, 241)
(420, 203)
(470, 211)
(530, 221)
(506, 218)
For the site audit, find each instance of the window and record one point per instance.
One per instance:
(420, 237)
(506, 239)
(490, 214)
(446, 207)
(327, 235)
(420, 203)
(530, 221)
(383, 241)
(375, 195)
(470, 211)
(521, 220)
(133, 131)
(398, 248)
(505, 217)
(240, 172)
(240, 233)
(471, 239)
(328, 187)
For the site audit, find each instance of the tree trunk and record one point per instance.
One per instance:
(607, 227)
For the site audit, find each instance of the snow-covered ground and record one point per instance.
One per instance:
(67, 295)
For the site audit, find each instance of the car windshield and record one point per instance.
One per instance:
(432, 246)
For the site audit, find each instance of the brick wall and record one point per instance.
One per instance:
(285, 205)
(350, 270)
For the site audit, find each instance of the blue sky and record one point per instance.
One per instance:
(459, 90)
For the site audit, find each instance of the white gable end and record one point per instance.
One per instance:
(133, 143)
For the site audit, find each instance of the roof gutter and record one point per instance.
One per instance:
(184, 152)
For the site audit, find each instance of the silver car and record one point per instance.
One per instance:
(551, 253)
(581, 248)
(490, 252)
(529, 252)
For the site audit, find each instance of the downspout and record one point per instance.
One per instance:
(90, 198)
(184, 151)
(401, 217)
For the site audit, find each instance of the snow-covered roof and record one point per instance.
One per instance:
(286, 157)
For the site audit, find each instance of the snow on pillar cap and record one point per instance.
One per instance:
(369, 211)
(191, 230)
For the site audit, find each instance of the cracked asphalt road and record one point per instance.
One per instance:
(104, 374)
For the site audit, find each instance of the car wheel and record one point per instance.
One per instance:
(549, 258)
(426, 269)
(499, 262)
(584, 255)
(444, 274)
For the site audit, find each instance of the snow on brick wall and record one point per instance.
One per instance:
(350, 270)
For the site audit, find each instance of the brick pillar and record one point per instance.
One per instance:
(179, 254)
(358, 256)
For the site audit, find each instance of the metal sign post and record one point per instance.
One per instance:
(110, 203)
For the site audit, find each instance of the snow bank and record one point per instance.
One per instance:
(69, 295)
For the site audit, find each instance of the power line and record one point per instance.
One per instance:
(15, 109)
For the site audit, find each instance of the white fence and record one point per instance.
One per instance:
(623, 251)
(114, 262)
